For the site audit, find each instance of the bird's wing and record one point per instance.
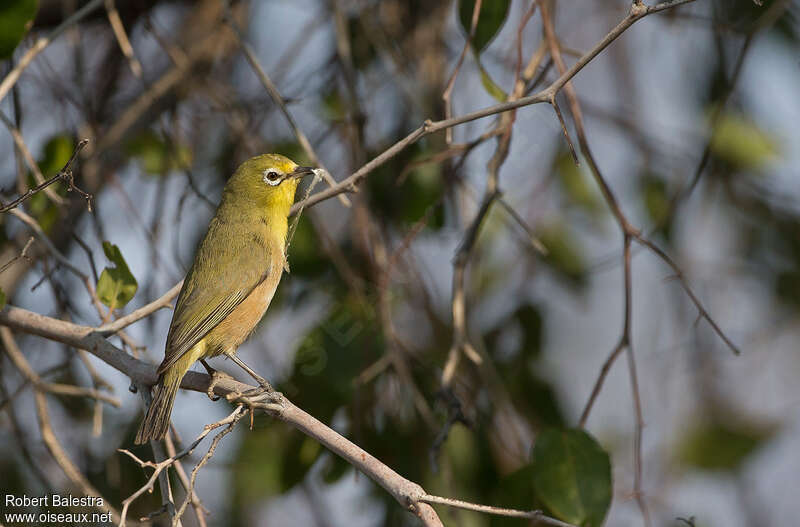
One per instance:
(226, 269)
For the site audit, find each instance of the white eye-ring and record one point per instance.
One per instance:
(272, 176)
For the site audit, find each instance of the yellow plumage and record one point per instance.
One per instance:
(234, 276)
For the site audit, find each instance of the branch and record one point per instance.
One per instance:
(48, 436)
(407, 493)
(143, 312)
(159, 467)
(350, 184)
(24, 367)
(536, 516)
(65, 174)
(122, 38)
(13, 75)
(21, 256)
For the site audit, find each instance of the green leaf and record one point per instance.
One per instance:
(16, 18)
(117, 285)
(563, 252)
(2, 298)
(492, 15)
(305, 257)
(722, 446)
(490, 86)
(656, 200)
(156, 155)
(741, 143)
(406, 189)
(577, 183)
(57, 152)
(572, 476)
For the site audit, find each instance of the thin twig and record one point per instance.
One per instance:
(199, 510)
(65, 174)
(24, 367)
(122, 38)
(42, 42)
(252, 59)
(538, 516)
(168, 462)
(448, 105)
(21, 256)
(350, 184)
(48, 436)
(33, 166)
(211, 449)
(143, 312)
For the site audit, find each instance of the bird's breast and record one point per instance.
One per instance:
(236, 327)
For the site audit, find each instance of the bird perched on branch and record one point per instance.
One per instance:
(234, 275)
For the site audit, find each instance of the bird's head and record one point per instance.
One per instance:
(268, 180)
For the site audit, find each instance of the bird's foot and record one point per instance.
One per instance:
(216, 377)
(264, 389)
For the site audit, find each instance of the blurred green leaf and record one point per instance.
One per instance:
(741, 143)
(723, 445)
(577, 184)
(361, 47)
(490, 86)
(461, 448)
(572, 476)
(57, 152)
(300, 454)
(2, 298)
(656, 201)
(332, 355)
(271, 460)
(16, 18)
(333, 107)
(306, 257)
(404, 195)
(157, 157)
(514, 491)
(116, 286)
(530, 320)
(563, 252)
(335, 468)
(787, 287)
(492, 15)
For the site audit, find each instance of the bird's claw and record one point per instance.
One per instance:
(216, 377)
(264, 389)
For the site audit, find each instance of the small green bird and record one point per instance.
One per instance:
(234, 275)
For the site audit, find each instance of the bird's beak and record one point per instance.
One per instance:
(300, 172)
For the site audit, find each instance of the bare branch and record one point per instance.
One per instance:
(143, 312)
(65, 174)
(537, 516)
(350, 184)
(42, 42)
(48, 436)
(159, 467)
(22, 255)
(122, 38)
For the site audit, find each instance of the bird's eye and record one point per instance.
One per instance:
(272, 177)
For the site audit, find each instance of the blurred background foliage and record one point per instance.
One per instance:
(693, 116)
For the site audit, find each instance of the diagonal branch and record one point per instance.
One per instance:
(350, 184)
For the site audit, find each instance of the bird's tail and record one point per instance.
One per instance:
(156, 421)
